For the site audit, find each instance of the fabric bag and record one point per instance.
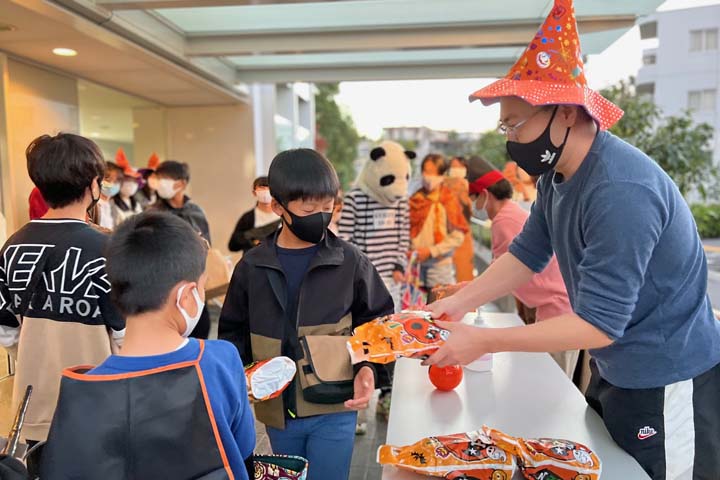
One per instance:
(280, 467)
(325, 372)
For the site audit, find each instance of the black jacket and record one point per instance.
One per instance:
(340, 281)
(190, 212)
(246, 235)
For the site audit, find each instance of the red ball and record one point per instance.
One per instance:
(445, 378)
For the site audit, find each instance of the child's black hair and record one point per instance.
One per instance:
(302, 173)
(148, 255)
(174, 170)
(113, 167)
(63, 167)
(502, 190)
(260, 182)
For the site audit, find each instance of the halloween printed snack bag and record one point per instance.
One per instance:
(405, 334)
(548, 458)
(459, 456)
(269, 378)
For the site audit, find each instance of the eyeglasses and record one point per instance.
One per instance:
(511, 129)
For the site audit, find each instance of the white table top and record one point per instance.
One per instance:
(525, 395)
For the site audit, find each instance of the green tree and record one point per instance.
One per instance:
(337, 129)
(676, 143)
(491, 146)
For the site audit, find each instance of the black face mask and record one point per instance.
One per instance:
(540, 155)
(310, 228)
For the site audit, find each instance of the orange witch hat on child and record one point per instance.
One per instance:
(122, 162)
(153, 162)
(551, 71)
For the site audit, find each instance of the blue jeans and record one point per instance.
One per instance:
(326, 441)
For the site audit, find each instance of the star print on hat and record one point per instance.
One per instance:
(551, 71)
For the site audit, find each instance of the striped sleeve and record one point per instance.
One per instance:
(347, 217)
(404, 233)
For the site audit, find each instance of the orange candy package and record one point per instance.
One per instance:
(548, 458)
(268, 379)
(406, 334)
(463, 455)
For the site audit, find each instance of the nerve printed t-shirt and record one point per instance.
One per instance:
(64, 260)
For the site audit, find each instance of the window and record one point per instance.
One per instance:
(702, 100)
(649, 59)
(711, 39)
(696, 40)
(707, 104)
(703, 40)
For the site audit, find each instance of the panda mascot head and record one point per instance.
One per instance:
(385, 175)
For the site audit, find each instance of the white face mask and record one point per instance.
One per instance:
(190, 322)
(129, 189)
(480, 213)
(166, 188)
(458, 172)
(432, 182)
(264, 196)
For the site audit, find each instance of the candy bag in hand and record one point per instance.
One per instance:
(548, 458)
(406, 334)
(269, 378)
(450, 456)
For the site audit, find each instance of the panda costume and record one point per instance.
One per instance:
(376, 219)
(375, 216)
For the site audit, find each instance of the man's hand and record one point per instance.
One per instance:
(423, 254)
(364, 389)
(465, 344)
(451, 309)
(398, 276)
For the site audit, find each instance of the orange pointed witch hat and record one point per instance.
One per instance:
(153, 162)
(551, 71)
(122, 162)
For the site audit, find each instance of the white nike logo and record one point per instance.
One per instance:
(646, 432)
(547, 157)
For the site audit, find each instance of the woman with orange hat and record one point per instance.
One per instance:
(630, 257)
(124, 203)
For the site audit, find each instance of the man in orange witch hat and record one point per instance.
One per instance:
(629, 254)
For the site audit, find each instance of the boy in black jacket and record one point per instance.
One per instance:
(305, 281)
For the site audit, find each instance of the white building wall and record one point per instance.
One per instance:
(679, 70)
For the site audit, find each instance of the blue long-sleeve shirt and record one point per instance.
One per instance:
(632, 262)
(226, 388)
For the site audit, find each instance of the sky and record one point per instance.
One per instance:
(443, 104)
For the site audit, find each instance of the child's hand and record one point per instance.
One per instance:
(364, 389)
(398, 276)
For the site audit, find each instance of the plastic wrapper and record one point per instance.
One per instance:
(406, 334)
(549, 458)
(269, 378)
(452, 456)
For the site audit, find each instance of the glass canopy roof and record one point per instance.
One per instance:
(294, 40)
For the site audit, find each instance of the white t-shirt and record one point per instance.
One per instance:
(263, 218)
(106, 214)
